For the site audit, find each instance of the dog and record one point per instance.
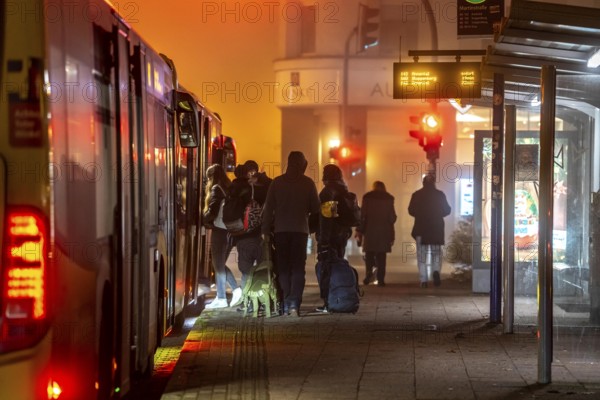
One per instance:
(260, 289)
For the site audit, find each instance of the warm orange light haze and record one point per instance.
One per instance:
(224, 52)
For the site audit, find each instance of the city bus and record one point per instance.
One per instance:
(102, 161)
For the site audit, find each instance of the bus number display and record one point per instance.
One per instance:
(444, 80)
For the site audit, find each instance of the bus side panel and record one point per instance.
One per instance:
(84, 200)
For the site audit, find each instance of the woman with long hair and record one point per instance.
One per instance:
(217, 185)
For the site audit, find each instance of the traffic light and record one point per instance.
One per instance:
(428, 133)
(350, 158)
(343, 153)
(368, 27)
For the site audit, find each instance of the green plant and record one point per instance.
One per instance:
(460, 247)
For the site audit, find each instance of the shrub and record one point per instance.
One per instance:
(460, 247)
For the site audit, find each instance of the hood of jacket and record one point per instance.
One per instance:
(296, 165)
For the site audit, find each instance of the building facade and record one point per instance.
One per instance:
(334, 92)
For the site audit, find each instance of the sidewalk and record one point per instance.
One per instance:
(404, 343)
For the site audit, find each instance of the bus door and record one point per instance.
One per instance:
(148, 116)
(205, 268)
(193, 209)
(186, 144)
(130, 182)
(200, 251)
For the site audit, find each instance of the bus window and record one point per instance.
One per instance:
(187, 118)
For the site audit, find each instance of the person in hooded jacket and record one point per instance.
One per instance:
(250, 184)
(332, 235)
(429, 207)
(291, 199)
(376, 232)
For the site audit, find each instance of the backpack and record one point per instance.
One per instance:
(252, 214)
(348, 210)
(240, 218)
(344, 293)
(218, 222)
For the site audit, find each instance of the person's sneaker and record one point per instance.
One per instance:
(436, 278)
(322, 309)
(294, 312)
(236, 297)
(216, 303)
(366, 281)
(424, 285)
(381, 283)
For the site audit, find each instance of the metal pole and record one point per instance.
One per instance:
(496, 231)
(545, 257)
(432, 24)
(343, 122)
(432, 168)
(509, 218)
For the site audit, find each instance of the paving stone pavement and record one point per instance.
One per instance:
(404, 343)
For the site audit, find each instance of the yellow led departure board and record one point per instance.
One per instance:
(437, 80)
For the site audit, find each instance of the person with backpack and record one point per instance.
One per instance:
(250, 187)
(291, 199)
(239, 196)
(335, 227)
(429, 206)
(376, 234)
(217, 185)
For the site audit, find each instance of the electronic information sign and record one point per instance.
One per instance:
(437, 80)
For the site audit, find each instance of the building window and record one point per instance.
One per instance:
(309, 30)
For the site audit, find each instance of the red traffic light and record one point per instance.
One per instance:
(431, 122)
(345, 153)
(428, 132)
(428, 122)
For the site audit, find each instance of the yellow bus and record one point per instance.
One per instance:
(102, 160)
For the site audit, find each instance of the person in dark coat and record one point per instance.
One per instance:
(253, 185)
(259, 180)
(332, 235)
(291, 199)
(429, 207)
(376, 232)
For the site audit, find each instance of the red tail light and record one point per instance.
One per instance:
(24, 302)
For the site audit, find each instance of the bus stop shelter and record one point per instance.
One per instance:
(537, 188)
